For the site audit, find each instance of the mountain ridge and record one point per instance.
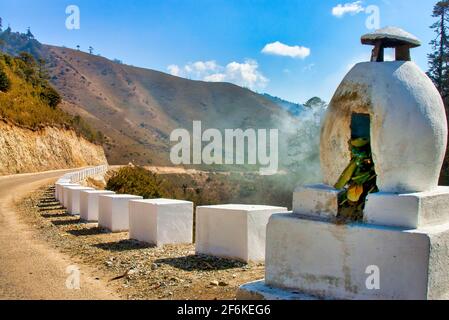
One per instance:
(136, 108)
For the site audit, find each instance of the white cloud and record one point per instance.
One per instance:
(216, 77)
(245, 74)
(348, 8)
(174, 70)
(279, 49)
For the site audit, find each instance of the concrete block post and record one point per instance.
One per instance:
(73, 201)
(65, 193)
(161, 221)
(233, 231)
(113, 211)
(89, 204)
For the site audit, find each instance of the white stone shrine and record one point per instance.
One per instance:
(401, 250)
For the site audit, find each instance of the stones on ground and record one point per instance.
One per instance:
(132, 271)
(157, 268)
(214, 283)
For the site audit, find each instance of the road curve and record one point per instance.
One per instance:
(29, 268)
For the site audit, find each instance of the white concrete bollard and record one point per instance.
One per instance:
(73, 203)
(161, 221)
(57, 187)
(233, 231)
(113, 211)
(89, 204)
(65, 193)
(59, 190)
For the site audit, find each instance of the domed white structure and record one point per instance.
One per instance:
(408, 127)
(400, 250)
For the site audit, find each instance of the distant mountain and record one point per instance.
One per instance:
(294, 108)
(136, 109)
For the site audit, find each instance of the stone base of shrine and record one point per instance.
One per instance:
(309, 257)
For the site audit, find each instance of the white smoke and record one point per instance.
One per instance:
(301, 144)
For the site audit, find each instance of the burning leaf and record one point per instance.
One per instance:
(359, 143)
(346, 175)
(357, 181)
(355, 192)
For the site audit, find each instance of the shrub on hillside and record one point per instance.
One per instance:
(204, 188)
(50, 96)
(5, 84)
(31, 101)
(137, 181)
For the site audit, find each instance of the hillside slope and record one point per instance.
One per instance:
(50, 148)
(35, 134)
(138, 108)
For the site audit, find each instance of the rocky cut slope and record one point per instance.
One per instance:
(25, 150)
(35, 134)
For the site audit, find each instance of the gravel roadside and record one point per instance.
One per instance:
(133, 269)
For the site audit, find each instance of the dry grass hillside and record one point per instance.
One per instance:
(137, 108)
(35, 134)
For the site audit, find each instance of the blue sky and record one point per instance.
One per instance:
(309, 44)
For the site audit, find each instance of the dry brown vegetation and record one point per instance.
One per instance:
(138, 108)
(205, 188)
(31, 102)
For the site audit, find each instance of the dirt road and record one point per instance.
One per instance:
(30, 269)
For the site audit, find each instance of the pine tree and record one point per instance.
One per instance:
(439, 66)
(29, 34)
(439, 58)
(91, 50)
(1, 24)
